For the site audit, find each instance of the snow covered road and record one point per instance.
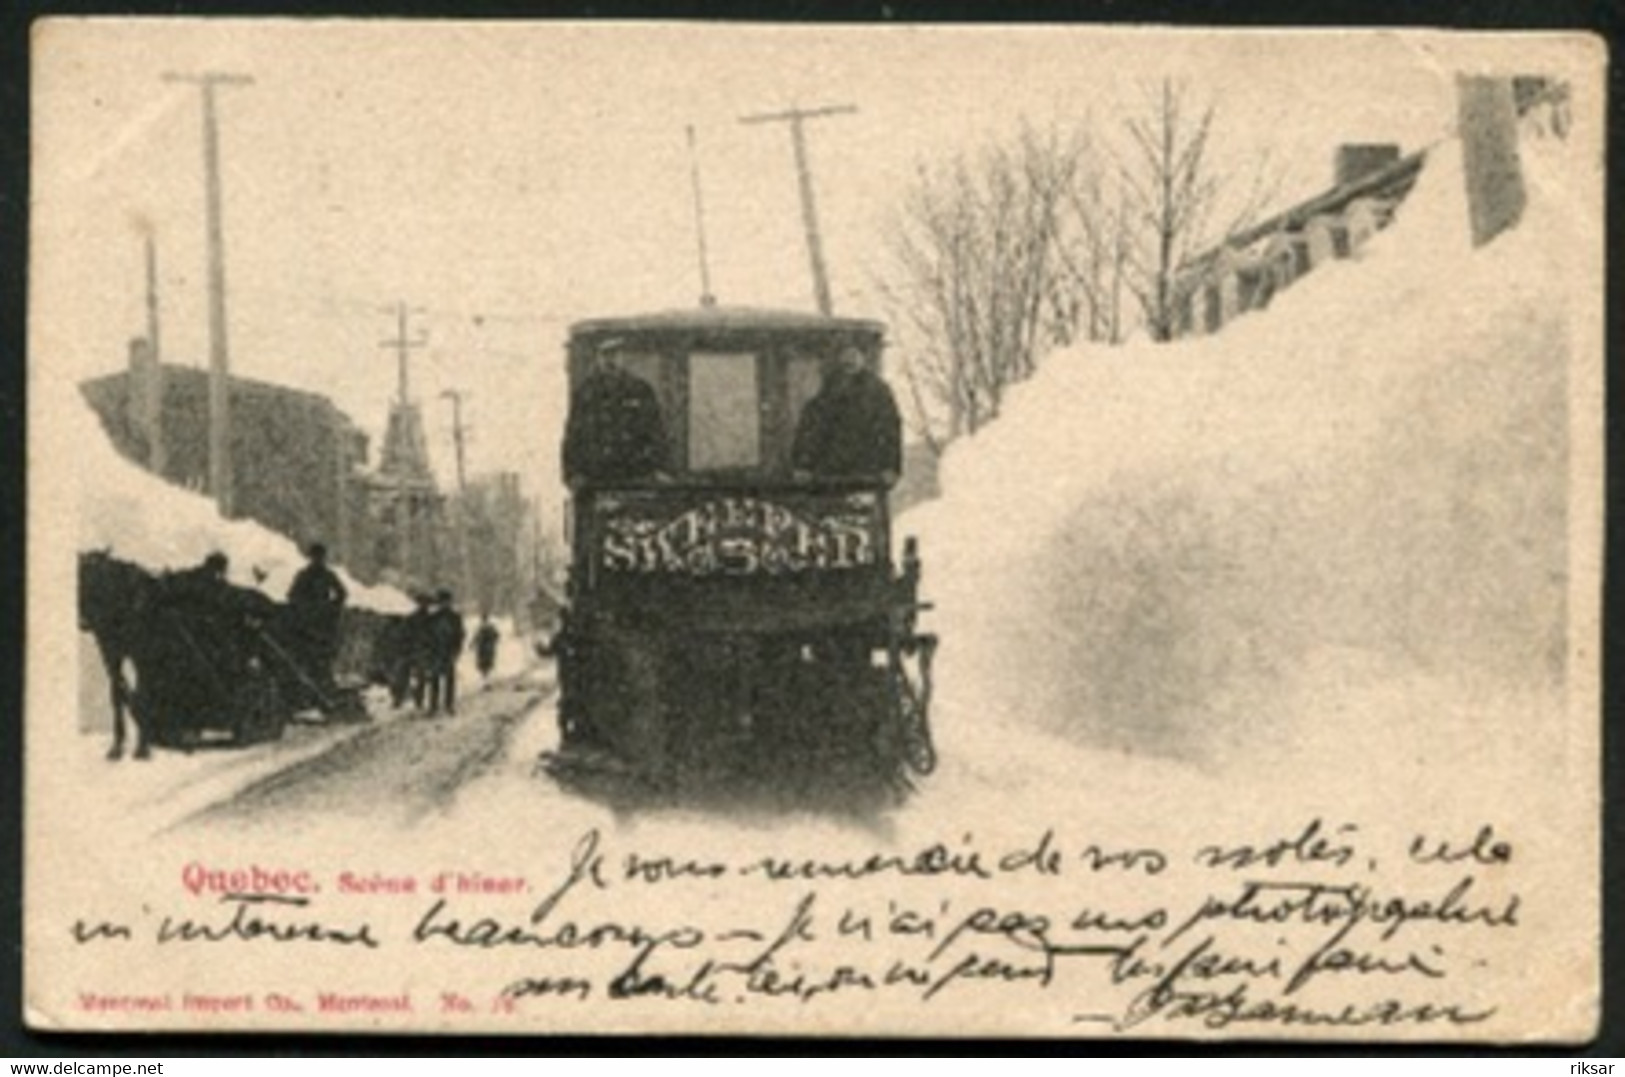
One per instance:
(397, 769)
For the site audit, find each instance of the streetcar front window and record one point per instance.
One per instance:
(804, 375)
(724, 413)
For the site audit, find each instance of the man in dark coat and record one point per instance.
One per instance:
(203, 591)
(851, 428)
(315, 605)
(485, 647)
(446, 634)
(416, 653)
(207, 643)
(393, 658)
(615, 431)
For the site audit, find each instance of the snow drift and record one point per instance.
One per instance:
(141, 518)
(1285, 538)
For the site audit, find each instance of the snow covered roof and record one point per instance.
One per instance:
(175, 374)
(725, 318)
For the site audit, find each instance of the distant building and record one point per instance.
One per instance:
(1247, 271)
(296, 458)
(410, 541)
(1370, 181)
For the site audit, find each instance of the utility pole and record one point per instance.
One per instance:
(535, 566)
(406, 440)
(707, 299)
(457, 431)
(220, 473)
(458, 434)
(152, 297)
(152, 384)
(403, 346)
(796, 117)
(341, 492)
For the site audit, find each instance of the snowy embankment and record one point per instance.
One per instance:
(141, 518)
(1332, 536)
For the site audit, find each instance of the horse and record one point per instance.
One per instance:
(115, 606)
(207, 656)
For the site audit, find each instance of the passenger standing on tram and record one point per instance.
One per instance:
(851, 428)
(615, 431)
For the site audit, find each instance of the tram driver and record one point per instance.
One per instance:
(615, 431)
(851, 427)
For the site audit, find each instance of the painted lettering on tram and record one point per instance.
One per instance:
(739, 536)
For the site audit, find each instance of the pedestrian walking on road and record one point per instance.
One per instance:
(485, 648)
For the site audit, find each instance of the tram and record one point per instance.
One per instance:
(735, 617)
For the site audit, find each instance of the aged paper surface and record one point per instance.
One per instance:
(1264, 699)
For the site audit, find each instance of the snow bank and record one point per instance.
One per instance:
(141, 518)
(1268, 540)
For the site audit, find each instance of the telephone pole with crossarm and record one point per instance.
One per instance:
(796, 118)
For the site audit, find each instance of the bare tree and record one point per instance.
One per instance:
(974, 256)
(1178, 201)
(1088, 289)
(1037, 241)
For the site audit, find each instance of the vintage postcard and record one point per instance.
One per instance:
(908, 530)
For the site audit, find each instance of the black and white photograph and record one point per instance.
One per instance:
(909, 530)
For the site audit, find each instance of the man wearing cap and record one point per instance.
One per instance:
(615, 431)
(446, 635)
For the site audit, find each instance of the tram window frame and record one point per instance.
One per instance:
(799, 389)
(647, 366)
(740, 370)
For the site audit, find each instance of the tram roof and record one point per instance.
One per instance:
(725, 319)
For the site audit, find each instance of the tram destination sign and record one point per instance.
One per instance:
(738, 535)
